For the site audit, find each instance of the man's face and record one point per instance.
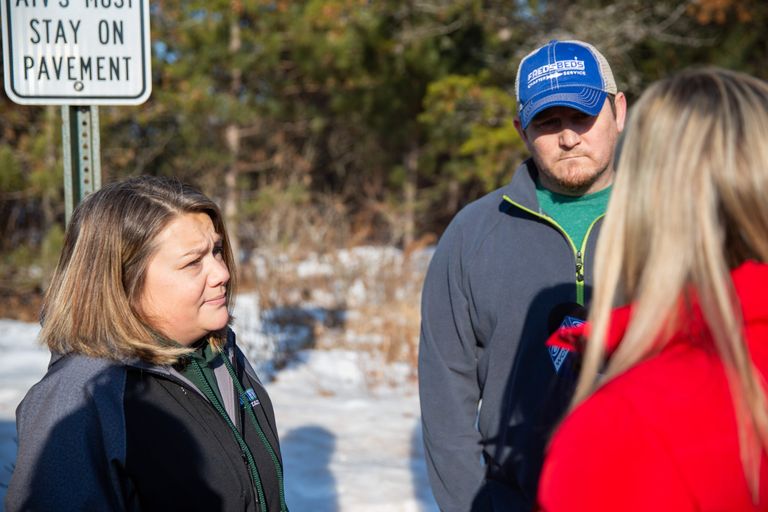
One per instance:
(572, 150)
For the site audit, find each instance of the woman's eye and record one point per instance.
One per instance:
(218, 250)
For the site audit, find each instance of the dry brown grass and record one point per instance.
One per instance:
(368, 296)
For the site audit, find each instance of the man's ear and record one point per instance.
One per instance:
(521, 130)
(620, 101)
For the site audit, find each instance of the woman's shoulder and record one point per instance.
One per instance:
(75, 381)
(663, 423)
(685, 382)
(607, 440)
(81, 369)
(608, 415)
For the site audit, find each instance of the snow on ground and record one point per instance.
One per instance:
(23, 364)
(347, 445)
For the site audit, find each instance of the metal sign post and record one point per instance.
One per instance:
(81, 152)
(78, 54)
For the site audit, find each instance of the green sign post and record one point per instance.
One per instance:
(81, 152)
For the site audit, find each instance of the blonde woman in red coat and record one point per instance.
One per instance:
(670, 411)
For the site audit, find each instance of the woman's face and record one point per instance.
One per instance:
(184, 294)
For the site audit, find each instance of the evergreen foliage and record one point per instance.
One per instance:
(391, 115)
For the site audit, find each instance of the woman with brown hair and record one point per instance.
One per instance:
(670, 410)
(148, 403)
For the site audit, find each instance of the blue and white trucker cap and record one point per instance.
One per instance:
(563, 74)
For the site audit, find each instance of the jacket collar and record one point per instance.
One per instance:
(750, 281)
(522, 188)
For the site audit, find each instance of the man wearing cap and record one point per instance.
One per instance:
(511, 267)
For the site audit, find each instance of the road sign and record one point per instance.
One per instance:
(76, 52)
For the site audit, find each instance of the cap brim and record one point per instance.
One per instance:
(585, 99)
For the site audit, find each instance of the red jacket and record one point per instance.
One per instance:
(663, 435)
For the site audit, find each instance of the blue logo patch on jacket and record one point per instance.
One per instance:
(557, 354)
(249, 395)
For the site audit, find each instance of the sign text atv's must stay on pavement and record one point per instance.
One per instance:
(76, 52)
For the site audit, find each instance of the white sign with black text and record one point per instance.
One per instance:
(76, 52)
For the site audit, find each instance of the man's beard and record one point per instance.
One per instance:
(574, 182)
(578, 182)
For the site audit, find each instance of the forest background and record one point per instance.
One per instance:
(322, 126)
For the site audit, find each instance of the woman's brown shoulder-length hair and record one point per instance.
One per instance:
(90, 307)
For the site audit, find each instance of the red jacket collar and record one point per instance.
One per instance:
(750, 281)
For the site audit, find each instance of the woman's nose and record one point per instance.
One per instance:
(219, 275)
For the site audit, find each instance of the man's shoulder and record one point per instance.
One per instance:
(484, 207)
(493, 203)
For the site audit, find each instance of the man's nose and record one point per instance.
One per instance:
(569, 137)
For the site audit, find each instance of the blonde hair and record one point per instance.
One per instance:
(91, 305)
(688, 205)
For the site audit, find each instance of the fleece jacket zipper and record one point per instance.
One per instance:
(578, 254)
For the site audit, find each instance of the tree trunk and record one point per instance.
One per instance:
(52, 123)
(232, 137)
(411, 165)
(454, 189)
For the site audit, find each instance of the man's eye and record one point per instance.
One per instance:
(547, 123)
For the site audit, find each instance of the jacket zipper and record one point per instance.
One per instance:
(578, 254)
(270, 450)
(580, 261)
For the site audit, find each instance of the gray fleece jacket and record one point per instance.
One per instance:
(490, 390)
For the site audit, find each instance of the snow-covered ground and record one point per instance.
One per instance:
(23, 365)
(347, 445)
